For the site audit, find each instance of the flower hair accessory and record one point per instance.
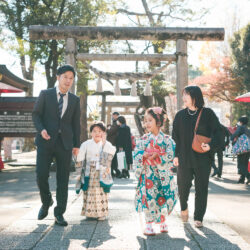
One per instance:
(157, 110)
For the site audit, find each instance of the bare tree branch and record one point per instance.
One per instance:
(149, 14)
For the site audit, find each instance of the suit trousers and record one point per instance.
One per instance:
(185, 177)
(63, 160)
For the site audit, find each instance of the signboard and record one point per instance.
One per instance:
(16, 117)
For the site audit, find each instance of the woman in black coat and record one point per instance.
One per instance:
(242, 159)
(123, 142)
(193, 165)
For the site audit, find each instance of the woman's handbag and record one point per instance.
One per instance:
(199, 139)
(242, 145)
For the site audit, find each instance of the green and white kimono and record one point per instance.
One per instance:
(156, 192)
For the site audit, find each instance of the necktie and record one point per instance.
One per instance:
(60, 104)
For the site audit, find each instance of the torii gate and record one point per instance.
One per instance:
(181, 35)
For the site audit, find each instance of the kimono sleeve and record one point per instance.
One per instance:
(109, 148)
(82, 152)
(138, 154)
(168, 157)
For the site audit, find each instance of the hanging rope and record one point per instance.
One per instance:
(126, 75)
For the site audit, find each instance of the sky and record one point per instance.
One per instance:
(222, 13)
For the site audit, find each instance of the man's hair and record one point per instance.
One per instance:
(196, 95)
(116, 113)
(61, 70)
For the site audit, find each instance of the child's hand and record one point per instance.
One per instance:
(78, 178)
(153, 156)
(146, 155)
(176, 161)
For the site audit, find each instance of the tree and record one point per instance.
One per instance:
(219, 83)
(18, 15)
(158, 13)
(240, 45)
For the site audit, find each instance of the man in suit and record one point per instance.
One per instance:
(56, 116)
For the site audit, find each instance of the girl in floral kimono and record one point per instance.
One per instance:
(94, 177)
(156, 192)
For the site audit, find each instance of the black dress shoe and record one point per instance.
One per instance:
(241, 180)
(215, 172)
(59, 220)
(43, 212)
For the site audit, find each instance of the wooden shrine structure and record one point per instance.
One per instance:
(181, 35)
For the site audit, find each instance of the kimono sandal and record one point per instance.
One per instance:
(164, 228)
(149, 231)
(198, 224)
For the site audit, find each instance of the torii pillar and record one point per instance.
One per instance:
(181, 70)
(71, 57)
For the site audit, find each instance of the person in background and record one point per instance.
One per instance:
(242, 159)
(124, 143)
(191, 164)
(112, 133)
(225, 137)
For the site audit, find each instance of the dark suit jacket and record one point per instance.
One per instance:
(46, 116)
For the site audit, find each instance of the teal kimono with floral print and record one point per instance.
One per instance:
(156, 192)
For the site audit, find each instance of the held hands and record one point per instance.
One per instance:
(205, 147)
(150, 157)
(176, 161)
(75, 151)
(45, 135)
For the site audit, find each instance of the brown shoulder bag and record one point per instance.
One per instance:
(199, 139)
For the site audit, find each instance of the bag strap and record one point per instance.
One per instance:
(197, 122)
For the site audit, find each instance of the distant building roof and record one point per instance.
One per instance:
(10, 79)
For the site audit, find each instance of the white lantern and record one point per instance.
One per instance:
(148, 89)
(99, 85)
(133, 91)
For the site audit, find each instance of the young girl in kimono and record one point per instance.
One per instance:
(95, 156)
(156, 192)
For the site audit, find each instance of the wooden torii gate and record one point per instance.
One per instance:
(181, 35)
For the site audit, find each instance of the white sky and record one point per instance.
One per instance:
(221, 15)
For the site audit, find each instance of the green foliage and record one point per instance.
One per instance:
(18, 15)
(240, 46)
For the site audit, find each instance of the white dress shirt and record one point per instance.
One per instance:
(65, 100)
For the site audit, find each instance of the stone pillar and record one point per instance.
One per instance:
(181, 70)
(71, 57)
(103, 116)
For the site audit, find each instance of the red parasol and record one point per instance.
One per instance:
(4, 88)
(243, 98)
